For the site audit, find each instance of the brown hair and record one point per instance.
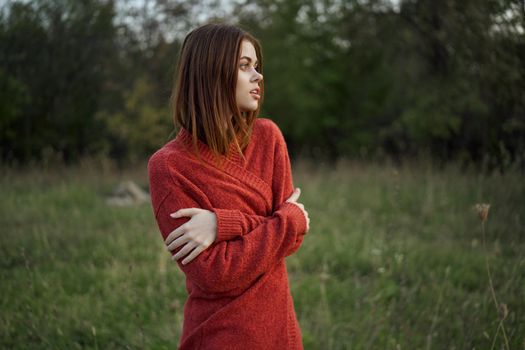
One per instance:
(203, 97)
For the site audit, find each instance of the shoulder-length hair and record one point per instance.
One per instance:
(203, 97)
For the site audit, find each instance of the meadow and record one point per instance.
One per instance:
(395, 259)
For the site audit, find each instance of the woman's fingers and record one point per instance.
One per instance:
(185, 250)
(295, 195)
(185, 212)
(179, 231)
(293, 199)
(178, 242)
(307, 224)
(305, 213)
(194, 236)
(193, 254)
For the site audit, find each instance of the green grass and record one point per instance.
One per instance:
(394, 260)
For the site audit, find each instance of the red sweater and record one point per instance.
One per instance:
(239, 297)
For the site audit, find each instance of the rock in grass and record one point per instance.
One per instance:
(127, 193)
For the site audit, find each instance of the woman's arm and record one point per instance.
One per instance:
(230, 265)
(206, 227)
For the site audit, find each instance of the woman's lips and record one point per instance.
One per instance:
(255, 93)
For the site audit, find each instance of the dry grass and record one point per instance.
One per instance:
(394, 259)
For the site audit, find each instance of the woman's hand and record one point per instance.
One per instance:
(196, 235)
(293, 199)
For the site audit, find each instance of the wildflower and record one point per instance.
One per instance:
(324, 275)
(503, 311)
(483, 211)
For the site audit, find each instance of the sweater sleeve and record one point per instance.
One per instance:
(232, 223)
(282, 181)
(235, 264)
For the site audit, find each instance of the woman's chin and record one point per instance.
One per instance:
(245, 109)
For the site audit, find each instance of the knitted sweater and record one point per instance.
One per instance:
(239, 296)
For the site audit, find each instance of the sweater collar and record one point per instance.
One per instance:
(185, 138)
(233, 163)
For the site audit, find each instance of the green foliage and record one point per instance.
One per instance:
(140, 128)
(45, 52)
(394, 258)
(351, 78)
(360, 77)
(12, 100)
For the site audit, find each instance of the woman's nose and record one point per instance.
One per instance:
(256, 76)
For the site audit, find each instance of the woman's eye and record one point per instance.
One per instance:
(246, 66)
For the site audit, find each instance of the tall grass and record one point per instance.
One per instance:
(394, 259)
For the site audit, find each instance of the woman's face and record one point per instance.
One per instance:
(247, 92)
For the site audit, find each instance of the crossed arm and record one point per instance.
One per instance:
(206, 227)
(234, 264)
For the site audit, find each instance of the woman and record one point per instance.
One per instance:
(223, 198)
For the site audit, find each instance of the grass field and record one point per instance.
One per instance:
(394, 260)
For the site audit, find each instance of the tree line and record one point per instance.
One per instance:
(342, 78)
